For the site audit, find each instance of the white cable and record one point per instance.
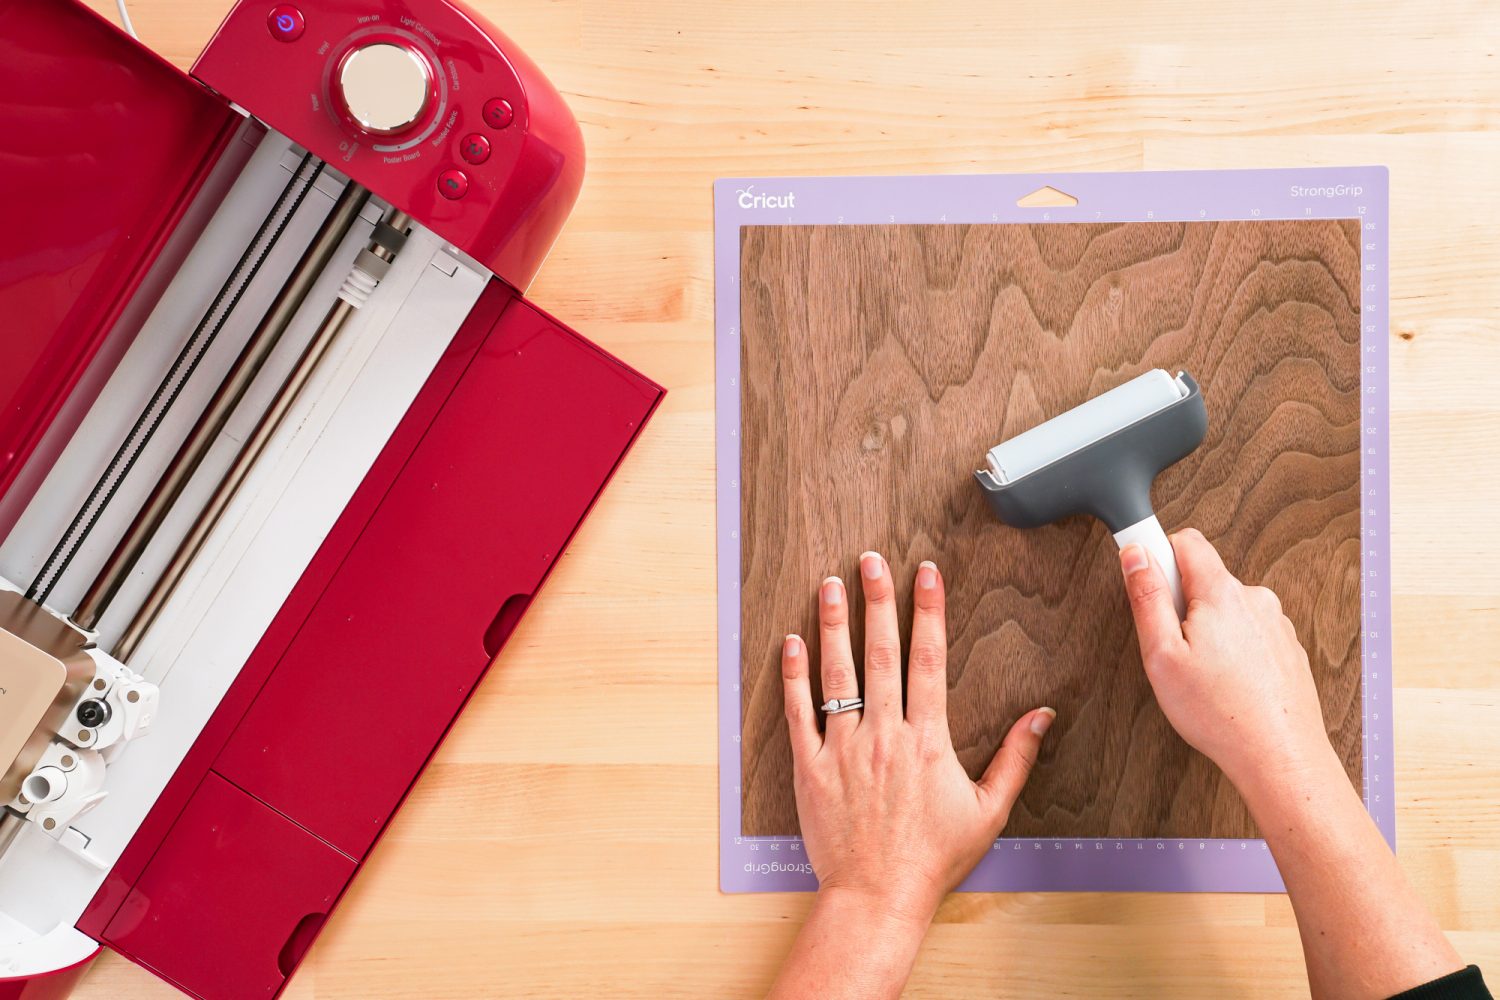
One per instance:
(125, 19)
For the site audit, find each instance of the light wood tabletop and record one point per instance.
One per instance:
(563, 842)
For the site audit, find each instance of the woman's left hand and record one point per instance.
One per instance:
(887, 811)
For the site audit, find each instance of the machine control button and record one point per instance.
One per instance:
(453, 184)
(498, 113)
(475, 148)
(386, 87)
(285, 22)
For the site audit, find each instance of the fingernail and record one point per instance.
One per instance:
(833, 590)
(870, 565)
(792, 647)
(927, 575)
(1133, 558)
(1042, 720)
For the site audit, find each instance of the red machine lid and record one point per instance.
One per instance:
(104, 145)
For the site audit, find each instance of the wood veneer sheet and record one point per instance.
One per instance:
(877, 335)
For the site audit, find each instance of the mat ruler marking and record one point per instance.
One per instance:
(772, 864)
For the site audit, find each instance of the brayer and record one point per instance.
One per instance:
(1101, 458)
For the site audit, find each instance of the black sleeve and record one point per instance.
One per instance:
(1465, 984)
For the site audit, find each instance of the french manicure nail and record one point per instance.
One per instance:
(1042, 720)
(833, 590)
(1132, 558)
(870, 565)
(791, 647)
(927, 575)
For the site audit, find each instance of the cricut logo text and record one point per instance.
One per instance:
(749, 199)
(1331, 191)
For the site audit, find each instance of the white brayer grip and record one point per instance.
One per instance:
(1149, 535)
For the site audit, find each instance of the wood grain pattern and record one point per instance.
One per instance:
(878, 364)
(564, 843)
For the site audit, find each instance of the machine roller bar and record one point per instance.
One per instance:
(371, 267)
(211, 422)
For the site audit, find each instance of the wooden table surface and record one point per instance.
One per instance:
(563, 842)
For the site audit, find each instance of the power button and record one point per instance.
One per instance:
(286, 23)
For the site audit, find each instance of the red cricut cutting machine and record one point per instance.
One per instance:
(284, 456)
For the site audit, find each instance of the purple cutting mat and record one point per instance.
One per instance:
(778, 864)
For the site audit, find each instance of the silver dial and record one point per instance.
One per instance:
(386, 87)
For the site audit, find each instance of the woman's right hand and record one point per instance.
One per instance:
(1231, 678)
(1234, 682)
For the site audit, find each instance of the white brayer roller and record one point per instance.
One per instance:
(1101, 458)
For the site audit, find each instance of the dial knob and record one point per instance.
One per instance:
(385, 86)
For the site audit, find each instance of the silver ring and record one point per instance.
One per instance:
(836, 705)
